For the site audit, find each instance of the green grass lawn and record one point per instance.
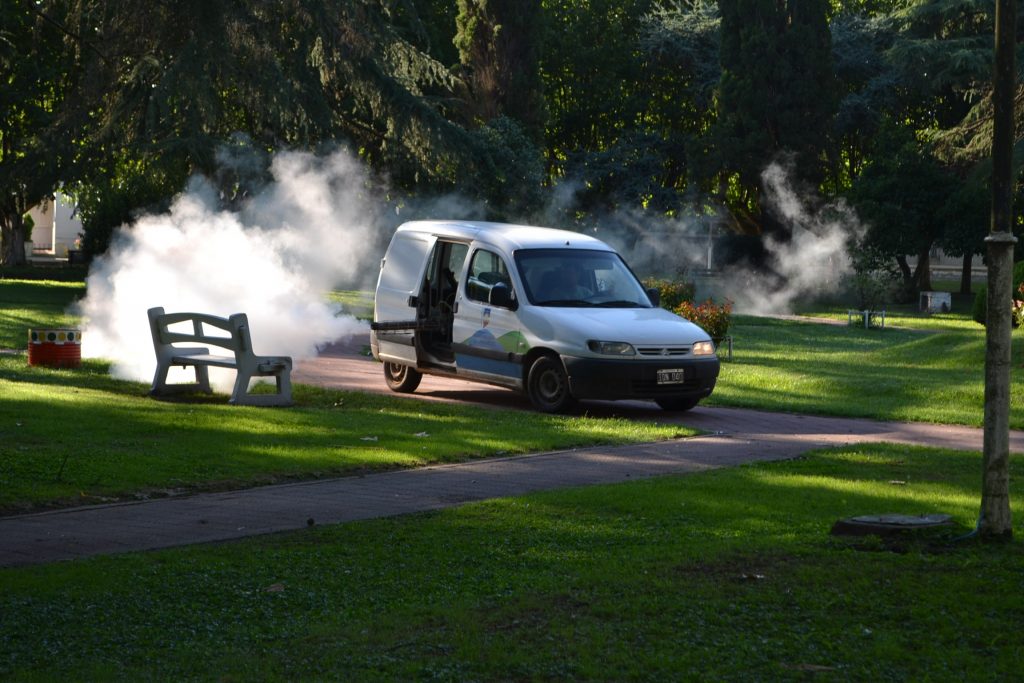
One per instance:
(724, 575)
(907, 319)
(113, 441)
(70, 436)
(886, 374)
(354, 302)
(28, 304)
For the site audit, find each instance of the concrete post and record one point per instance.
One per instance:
(995, 521)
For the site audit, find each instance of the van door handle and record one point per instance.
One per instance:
(455, 307)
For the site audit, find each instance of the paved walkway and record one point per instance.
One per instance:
(735, 436)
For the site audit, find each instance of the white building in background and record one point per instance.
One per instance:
(57, 227)
(946, 267)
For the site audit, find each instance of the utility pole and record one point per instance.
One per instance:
(994, 521)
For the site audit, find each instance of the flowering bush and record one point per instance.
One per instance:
(1018, 307)
(714, 318)
(672, 293)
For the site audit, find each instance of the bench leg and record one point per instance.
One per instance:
(241, 390)
(283, 397)
(162, 388)
(284, 384)
(203, 378)
(159, 380)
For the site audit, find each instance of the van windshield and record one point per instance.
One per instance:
(579, 278)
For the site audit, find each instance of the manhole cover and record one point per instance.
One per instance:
(883, 525)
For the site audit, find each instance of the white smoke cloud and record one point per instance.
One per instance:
(312, 228)
(659, 246)
(653, 245)
(811, 263)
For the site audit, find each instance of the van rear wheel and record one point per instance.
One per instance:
(401, 378)
(547, 385)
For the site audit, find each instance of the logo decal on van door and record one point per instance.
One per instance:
(510, 342)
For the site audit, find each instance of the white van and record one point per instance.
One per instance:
(553, 313)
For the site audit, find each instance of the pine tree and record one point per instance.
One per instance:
(499, 43)
(777, 91)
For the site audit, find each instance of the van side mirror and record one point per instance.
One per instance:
(501, 295)
(654, 294)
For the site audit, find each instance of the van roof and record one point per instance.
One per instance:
(506, 236)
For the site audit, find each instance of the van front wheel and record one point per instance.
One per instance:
(548, 386)
(401, 378)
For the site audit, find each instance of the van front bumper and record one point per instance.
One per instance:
(614, 379)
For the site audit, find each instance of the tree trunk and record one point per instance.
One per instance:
(923, 273)
(12, 239)
(965, 273)
(994, 520)
(905, 271)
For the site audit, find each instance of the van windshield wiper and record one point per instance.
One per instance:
(619, 303)
(566, 302)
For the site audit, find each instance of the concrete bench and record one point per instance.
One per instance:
(230, 334)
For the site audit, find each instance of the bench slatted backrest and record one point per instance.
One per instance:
(236, 327)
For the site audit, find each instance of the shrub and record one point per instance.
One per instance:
(672, 293)
(979, 312)
(1018, 275)
(980, 307)
(872, 289)
(714, 318)
(875, 279)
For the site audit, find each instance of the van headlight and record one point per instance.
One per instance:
(611, 348)
(703, 348)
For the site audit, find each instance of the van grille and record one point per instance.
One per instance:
(663, 351)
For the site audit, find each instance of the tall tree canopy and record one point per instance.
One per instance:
(499, 43)
(777, 94)
(661, 109)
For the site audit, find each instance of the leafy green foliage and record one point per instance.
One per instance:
(592, 98)
(511, 169)
(869, 85)
(646, 109)
(874, 280)
(177, 84)
(902, 195)
(671, 292)
(40, 120)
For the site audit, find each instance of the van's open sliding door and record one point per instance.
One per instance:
(395, 305)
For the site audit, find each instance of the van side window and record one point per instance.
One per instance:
(485, 271)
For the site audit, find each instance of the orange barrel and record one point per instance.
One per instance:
(55, 348)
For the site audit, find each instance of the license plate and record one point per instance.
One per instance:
(674, 376)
